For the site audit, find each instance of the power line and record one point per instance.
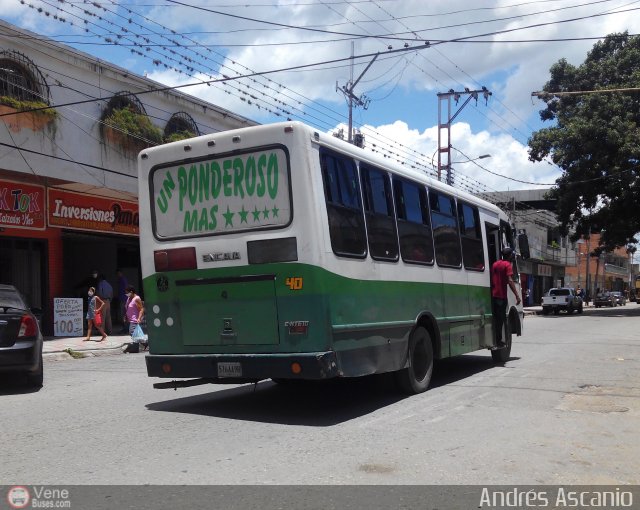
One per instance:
(396, 36)
(220, 80)
(579, 92)
(68, 160)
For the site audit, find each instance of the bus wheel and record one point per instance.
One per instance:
(503, 355)
(416, 377)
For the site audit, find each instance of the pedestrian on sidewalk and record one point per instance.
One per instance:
(94, 309)
(135, 314)
(105, 292)
(122, 300)
(501, 278)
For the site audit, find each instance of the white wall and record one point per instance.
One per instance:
(74, 76)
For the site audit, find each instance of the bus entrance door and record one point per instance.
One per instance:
(493, 251)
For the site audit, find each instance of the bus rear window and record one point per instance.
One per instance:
(219, 195)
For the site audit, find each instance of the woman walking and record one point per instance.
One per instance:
(94, 316)
(134, 311)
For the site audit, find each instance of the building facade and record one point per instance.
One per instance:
(556, 261)
(68, 175)
(608, 271)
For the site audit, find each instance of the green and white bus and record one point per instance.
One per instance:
(281, 252)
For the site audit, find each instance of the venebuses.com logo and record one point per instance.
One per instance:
(18, 497)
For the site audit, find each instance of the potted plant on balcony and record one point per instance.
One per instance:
(24, 117)
(130, 129)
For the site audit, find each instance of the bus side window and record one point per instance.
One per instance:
(378, 206)
(344, 209)
(414, 226)
(471, 234)
(445, 229)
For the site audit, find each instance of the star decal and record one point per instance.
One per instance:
(256, 214)
(228, 218)
(243, 215)
(265, 212)
(275, 211)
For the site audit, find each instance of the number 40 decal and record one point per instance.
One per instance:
(294, 283)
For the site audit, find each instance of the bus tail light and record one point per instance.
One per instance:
(296, 368)
(175, 260)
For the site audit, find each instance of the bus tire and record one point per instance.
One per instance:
(415, 378)
(503, 355)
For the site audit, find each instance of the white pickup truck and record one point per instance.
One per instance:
(561, 299)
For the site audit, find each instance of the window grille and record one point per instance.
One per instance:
(21, 79)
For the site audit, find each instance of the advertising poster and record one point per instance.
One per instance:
(67, 317)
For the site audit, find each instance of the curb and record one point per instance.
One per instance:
(86, 353)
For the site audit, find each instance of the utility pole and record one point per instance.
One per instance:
(444, 147)
(347, 90)
(589, 286)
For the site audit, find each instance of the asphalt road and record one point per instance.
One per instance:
(564, 410)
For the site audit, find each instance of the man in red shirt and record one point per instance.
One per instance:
(501, 276)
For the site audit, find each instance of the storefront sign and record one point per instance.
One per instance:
(21, 205)
(67, 317)
(85, 212)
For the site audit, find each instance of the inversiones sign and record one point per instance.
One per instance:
(219, 195)
(86, 212)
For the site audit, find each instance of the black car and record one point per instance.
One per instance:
(605, 299)
(20, 337)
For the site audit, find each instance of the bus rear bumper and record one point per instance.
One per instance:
(230, 368)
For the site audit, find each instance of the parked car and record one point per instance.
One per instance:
(604, 299)
(561, 299)
(620, 298)
(20, 337)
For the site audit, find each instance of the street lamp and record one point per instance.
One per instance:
(484, 156)
(450, 169)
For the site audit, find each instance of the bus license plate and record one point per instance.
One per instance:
(226, 369)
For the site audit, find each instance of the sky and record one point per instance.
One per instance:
(423, 47)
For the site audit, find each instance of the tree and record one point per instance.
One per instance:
(596, 141)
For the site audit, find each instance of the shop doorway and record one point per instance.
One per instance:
(85, 252)
(23, 263)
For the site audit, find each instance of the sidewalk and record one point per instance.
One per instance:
(54, 346)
